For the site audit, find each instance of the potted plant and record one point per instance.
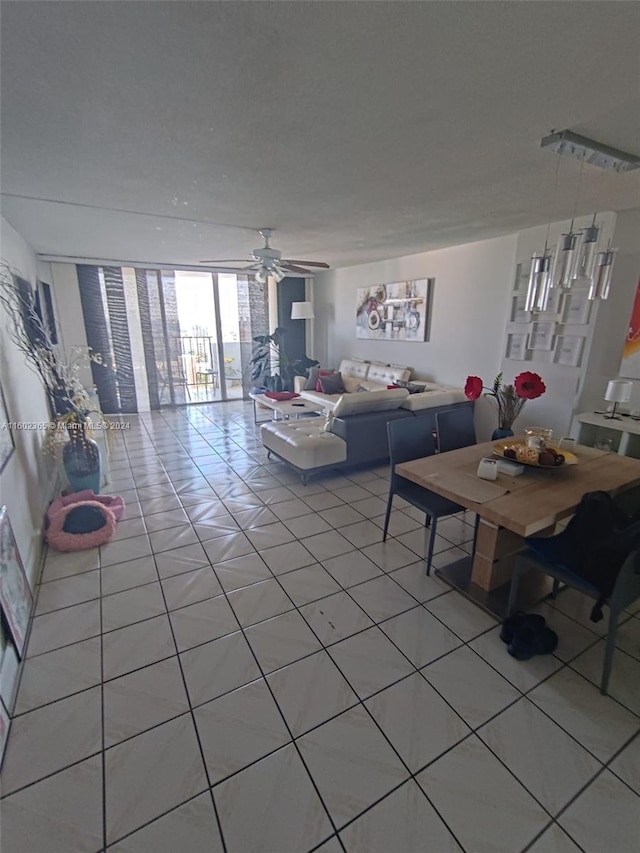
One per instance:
(270, 366)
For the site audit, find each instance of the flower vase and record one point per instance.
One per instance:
(501, 432)
(81, 460)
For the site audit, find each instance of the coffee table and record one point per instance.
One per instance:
(284, 409)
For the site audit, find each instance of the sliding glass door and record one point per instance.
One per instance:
(171, 337)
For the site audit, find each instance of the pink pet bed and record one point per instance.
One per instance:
(93, 506)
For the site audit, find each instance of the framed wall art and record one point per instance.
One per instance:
(7, 444)
(577, 308)
(630, 364)
(541, 336)
(517, 346)
(554, 305)
(394, 312)
(518, 314)
(15, 595)
(569, 350)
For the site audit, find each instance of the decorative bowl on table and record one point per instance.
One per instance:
(519, 451)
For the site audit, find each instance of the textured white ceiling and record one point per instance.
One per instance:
(168, 131)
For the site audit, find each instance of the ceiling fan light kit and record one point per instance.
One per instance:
(269, 262)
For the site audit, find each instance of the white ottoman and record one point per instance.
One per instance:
(304, 445)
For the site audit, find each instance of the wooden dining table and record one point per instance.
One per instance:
(511, 508)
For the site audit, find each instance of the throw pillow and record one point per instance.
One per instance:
(332, 384)
(318, 387)
(412, 387)
(310, 384)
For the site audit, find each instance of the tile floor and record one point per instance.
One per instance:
(246, 667)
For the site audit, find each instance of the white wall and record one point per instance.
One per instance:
(27, 482)
(471, 300)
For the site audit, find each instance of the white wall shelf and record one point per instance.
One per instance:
(589, 428)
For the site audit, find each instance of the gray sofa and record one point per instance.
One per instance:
(344, 440)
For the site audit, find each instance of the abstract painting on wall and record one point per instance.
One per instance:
(393, 312)
(630, 364)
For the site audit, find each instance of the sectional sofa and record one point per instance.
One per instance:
(354, 429)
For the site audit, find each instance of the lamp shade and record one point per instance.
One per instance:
(618, 391)
(302, 311)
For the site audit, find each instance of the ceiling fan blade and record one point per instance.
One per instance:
(227, 261)
(308, 263)
(293, 268)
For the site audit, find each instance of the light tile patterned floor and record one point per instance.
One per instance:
(247, 668)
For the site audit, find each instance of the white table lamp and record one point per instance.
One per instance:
(302, 311)
(618, 391)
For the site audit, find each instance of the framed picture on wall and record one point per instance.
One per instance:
(15, 595)
(630, 363)
(517, 346)
(518, 314)
(577, 308)
(569, 350)
(541, 337)
(554, 305)
(394, 312)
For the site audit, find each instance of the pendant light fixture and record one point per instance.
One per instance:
(566, 253)
(601, 280)
(588, 262)
(537, 298)
(541, 272)
(587, 252)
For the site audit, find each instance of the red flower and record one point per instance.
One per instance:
(473, 387)
(529, 385)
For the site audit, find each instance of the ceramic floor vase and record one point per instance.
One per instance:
(81, 462)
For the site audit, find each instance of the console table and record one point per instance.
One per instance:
(589, 427)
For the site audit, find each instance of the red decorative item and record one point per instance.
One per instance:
(529, 385)
(473, 387)
(281, 395)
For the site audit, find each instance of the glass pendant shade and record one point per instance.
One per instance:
(539, 283)
(601, 280)
(585, 259)
(563, 264)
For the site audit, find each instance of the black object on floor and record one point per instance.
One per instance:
(528, 641)
(517, 621)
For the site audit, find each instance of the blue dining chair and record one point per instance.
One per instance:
(625, 592)
(411, 438)
(455, 428)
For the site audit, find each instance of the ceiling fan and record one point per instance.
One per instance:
(269, 262)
